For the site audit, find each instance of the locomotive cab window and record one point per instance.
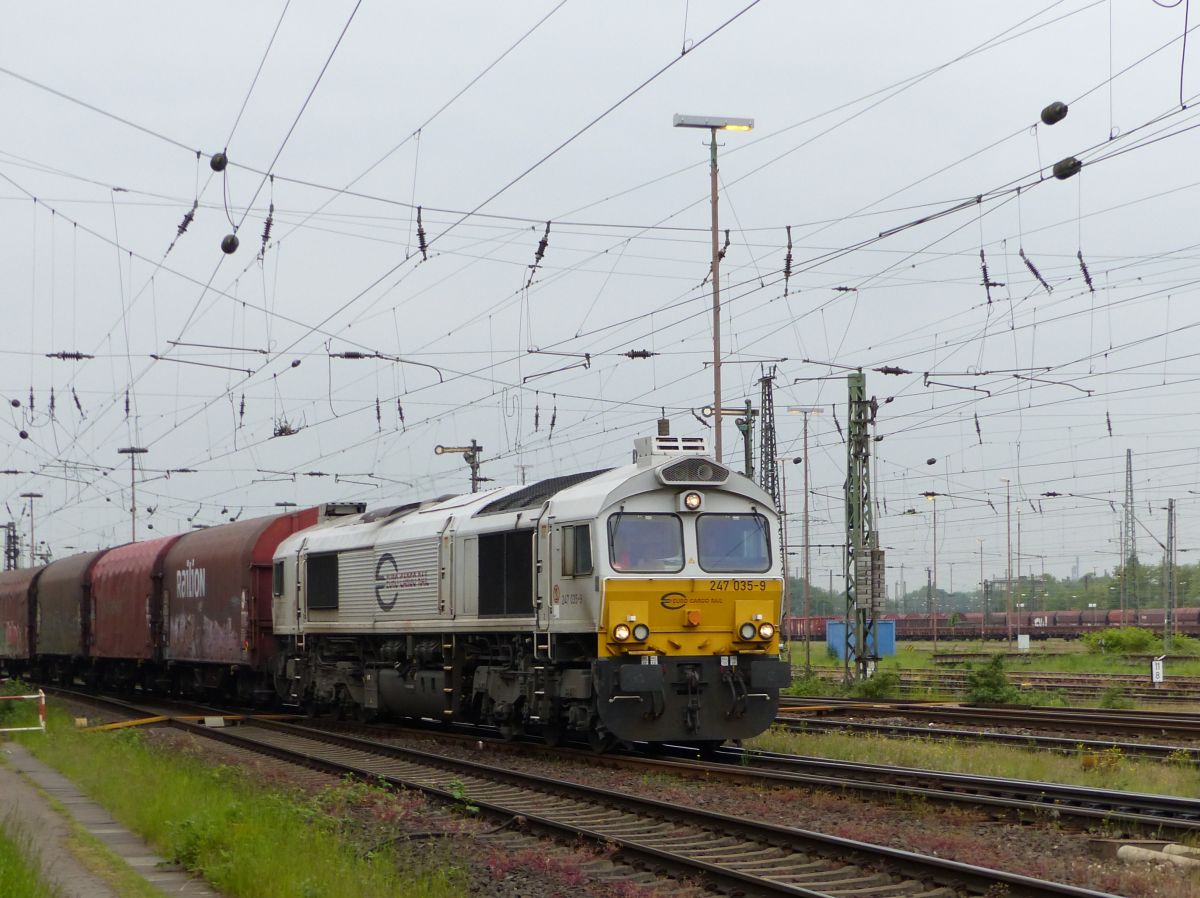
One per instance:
(322, 585)
(645, 543)
(577, 550)
(733, 543)
(277, 578)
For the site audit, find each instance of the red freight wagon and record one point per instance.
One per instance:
(125, 620)
(16, 615)
(217, 593)
(63, 596)
(1189, 616)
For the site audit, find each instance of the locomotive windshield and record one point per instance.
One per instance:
(646, 543)
(730, 543)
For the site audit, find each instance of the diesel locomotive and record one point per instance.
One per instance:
(640, 603)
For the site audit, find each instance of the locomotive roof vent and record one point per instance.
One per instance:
(665, 444)
(341, 509)
(693, 472)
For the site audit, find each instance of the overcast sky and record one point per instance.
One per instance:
(495, 119)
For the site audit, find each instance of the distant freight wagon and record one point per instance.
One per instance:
(1038, 624)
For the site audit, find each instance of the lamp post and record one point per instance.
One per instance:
(714, 124)
(32, 540)
(132, 452)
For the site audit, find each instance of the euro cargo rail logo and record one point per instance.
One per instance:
(389, 580)
(673, 601)
(190, 581)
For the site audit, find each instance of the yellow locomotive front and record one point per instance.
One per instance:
(691, 601)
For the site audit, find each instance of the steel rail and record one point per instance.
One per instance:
(1179, 753)
(779, 860)
(1079, 719)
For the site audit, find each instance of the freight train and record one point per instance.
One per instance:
(639, 603)
(1038, 624)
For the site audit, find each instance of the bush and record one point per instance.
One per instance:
(1114, 699)
(989, 685)
(1183, 645)
(1123, 641)
(884, 684)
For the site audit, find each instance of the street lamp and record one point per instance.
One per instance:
(715, 123)
(132, 452)
(32, 541)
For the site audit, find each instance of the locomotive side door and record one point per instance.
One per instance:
(543, 571)
(446, 573)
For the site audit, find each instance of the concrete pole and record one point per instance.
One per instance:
(807, 558)
(716, 289)
(1008, 531)
(933, 588)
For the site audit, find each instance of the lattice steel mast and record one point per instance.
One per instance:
(768, 467)
(864, 558)
(1129, 560)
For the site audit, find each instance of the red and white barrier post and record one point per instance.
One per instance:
(40, 698)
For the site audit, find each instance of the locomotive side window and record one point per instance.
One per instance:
(577, 550)
(277, 579)
(645, 543)
(322, 585)
(731, 543)
(506, 573)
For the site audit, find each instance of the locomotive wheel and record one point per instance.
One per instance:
(552, 735)
(601, 740)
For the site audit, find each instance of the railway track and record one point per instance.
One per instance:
(727, 852)
(1175, 753)
(1076, 720)
(1176, 689)
(580, 811)
(1135, 811)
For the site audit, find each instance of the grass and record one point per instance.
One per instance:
(247, 840)
(1104, 770)
(19, 877)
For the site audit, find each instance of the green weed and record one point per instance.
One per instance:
(989, 685)
(249, 841)
(1107, 770)
(19, 877)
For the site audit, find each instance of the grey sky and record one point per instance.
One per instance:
(627, 202)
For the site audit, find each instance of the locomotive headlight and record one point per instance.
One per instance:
(693, 501)
(621, 632)
(766, 631)
(641, 632)
(747, 631)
